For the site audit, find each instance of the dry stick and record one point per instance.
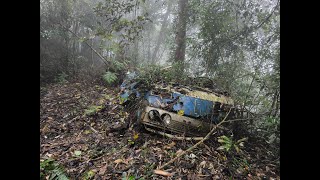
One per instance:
(94, 129)
(238, 120)
(197, 144)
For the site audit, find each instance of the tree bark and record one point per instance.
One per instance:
(181, 34)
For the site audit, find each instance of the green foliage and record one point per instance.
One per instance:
(118, 66)
(228, 144)
(92, 110)
(88, 175)
(271, 121)
(126, 177)
(155, 73)
(240, 164)
(61, 78)
(52, 169)
(113, 12)
(109, 77)
(77, 153)
(272, 128)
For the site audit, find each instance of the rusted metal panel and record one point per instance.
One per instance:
(180, 109)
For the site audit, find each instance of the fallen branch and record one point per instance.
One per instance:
(197, 144)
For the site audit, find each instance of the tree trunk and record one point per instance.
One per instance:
(277, 104)
(92, 52)
(274, 99)
(162, 31)
(181, 34)
(74, 50)
(149, 46)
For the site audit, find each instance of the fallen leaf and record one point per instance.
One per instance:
(136, 136)
(103, 170)
(127, 160)
(203, 163)
(118, 161)
(49, 155)
(179, 152)
(163, 173)
(169, 146)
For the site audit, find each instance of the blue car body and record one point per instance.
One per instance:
(191, 109)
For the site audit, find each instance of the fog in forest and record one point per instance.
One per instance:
(235, 44)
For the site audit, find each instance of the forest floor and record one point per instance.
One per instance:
(86, 148)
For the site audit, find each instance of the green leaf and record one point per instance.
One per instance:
(132, 177)
(110, 77)
(77, 153)
(90, 174)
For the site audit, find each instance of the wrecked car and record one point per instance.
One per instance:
(176, 109)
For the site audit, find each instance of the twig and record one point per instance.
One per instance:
(238, 120)
(197, 144)
(93, 129)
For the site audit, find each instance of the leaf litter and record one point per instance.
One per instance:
(83, 128)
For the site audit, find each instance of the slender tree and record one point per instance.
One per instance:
(181, 34)
(162, 32)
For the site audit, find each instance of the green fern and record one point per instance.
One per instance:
(109, 77)
(228, 144)
(53, 169)
(61, 78)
